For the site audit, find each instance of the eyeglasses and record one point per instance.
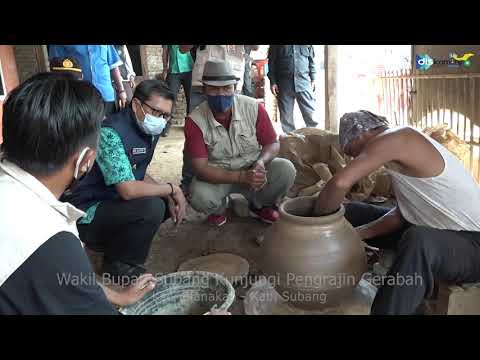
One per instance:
(158, 113)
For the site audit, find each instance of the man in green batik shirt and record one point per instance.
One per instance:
(124, 206)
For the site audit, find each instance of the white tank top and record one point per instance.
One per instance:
(449, 201)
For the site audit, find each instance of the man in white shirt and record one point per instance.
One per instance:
(51, 128)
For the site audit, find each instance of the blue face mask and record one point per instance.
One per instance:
(220, 103)
(152, 125)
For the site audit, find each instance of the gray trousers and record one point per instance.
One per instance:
(286, 102)
(212, 198)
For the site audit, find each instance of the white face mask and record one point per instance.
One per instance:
(76, 179)
(79, 161)
(152, 125)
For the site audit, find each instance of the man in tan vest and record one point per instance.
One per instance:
(233, 147)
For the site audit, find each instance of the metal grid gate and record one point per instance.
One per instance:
(428, 100)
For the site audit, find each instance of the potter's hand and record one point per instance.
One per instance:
(274, 89)
(144, 284)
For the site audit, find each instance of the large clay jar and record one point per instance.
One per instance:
(313, 262)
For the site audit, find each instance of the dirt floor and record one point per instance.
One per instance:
(173, 245)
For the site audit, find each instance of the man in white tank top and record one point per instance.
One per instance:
(435, 227)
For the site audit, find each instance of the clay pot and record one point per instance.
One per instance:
(313, 262)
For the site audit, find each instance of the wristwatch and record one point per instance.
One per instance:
(173, 190)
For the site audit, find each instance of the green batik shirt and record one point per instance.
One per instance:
(114, 164)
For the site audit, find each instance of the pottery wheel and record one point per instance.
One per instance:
(230, 266)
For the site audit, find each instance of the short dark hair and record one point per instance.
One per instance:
(47, 119)
(147, 88)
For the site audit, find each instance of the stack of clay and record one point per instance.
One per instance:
(317, 156)
(446, 137)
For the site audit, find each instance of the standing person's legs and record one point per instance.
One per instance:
(196, 97)
(187, 87)
(286, 102)
(306, 103)
(125, 230)
(247, 82)
(426, 255)
(173, 81)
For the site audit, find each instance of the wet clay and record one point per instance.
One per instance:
(313, 262)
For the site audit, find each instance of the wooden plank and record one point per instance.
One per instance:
(383, 97)
(42, 58)
(427, 103)
(439, 84)
(465, 107)
(475, 118)
(421, 93)
(444, 98)
(388, 100)
(143, 60)
(392, 99)
(410, 108)
(450, 101)
(400, 98)
(406, 101)
(395, 97)
(457, 90)
(331, 116)
(415, 101)
(472, 103)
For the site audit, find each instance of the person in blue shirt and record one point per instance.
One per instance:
(100, 65)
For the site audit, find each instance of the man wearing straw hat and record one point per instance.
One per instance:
(233, 148)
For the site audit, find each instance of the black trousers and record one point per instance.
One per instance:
(124, 230)
(185, 79)
(423, 255)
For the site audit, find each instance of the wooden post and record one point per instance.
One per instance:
(42, 58)
(331, 116)
(143, 60)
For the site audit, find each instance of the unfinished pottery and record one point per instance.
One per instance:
(232, 267)
(313, 262)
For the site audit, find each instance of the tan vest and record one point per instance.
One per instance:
(234, 54)
(232, 149)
